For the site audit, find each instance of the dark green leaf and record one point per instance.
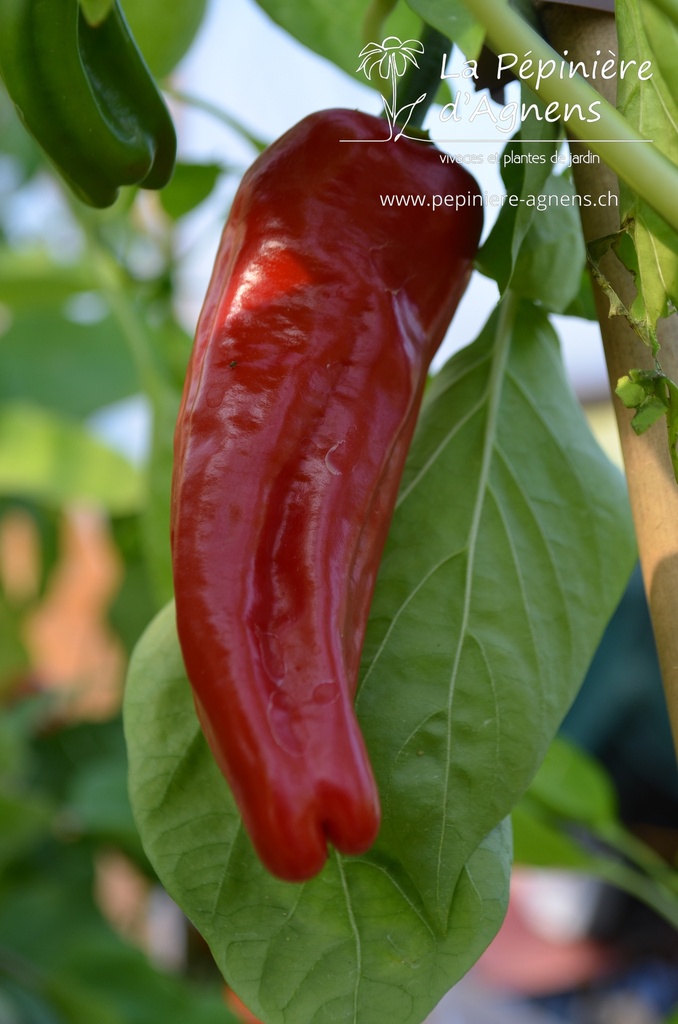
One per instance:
(155, 521)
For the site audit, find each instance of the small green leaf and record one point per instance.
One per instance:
(191, 184)
(630, 392)
(55, 460)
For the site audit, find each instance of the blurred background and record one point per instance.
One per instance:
(97, 312)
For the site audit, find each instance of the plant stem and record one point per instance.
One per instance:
(220, 115)
(426, 77)
(643, 167)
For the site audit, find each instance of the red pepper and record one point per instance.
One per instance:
(323, 313)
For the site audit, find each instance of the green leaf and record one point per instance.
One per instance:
(155, 522)
(662, 35)
(452, 18)
(483, 623)
(540, 843)
(353, 944)
(164, 31)
(191, 184)
(75, 965)
(509, 551)
(55, 460)
(65, 366)
(25, 818)
(551, 260)
(583, 304)
(572, 785)
(335, 31)
(14, 660)
(568, 819)
(650, 106)
(526, 168)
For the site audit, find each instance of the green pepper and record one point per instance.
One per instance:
(84, 92)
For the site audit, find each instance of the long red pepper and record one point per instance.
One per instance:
(324, 310)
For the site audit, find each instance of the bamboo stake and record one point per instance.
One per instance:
(652, 487)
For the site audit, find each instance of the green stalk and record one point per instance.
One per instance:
(647, 171)
(198, 103)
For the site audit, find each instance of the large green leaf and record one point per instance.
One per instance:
(353, 944)
(509, 549)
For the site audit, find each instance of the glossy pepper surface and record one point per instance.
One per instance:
(84, 92)
(323, 313)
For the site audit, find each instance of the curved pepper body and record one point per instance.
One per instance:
(320, 321)
(86, 95)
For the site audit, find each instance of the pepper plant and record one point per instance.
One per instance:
(509, 548)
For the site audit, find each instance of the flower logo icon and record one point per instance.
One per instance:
(391, 59)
